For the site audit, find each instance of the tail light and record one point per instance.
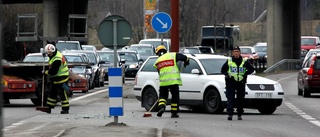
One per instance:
(310, 71)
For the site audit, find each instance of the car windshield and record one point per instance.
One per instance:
(92, 58)
(155, 43)
(73, 59)
(312, 52)
(246, 51)
(35, 59)
(107, 56)
(212, 66)
(142, 50)
(307, 41)
(205, 50)
(191, 50)
(78, 69)
(128, 56)
(67, 46)
(261, 48)
(88, 48)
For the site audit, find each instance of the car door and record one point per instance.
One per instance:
(192, 83)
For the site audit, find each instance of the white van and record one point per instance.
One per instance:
(68, 45)
(157, 42)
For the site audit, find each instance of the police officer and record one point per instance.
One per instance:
(236, 69)
(59, 75)
(169, 77)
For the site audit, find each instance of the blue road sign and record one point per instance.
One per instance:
(161, 22)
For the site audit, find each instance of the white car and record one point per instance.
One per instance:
(204, 86)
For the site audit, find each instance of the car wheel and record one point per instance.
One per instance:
(267, 110)
(85, 91)
(299, 91)
(306, 93)
(149, 98)
(212, 101)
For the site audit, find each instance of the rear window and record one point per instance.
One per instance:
(317, 63)
(149, 65)
(308, 41)
(67, 46)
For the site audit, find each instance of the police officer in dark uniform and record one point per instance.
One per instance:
(236, 69)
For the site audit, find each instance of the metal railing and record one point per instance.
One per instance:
(285, 65)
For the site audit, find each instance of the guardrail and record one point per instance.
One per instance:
(285, 65)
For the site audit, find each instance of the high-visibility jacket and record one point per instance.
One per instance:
(63, 69)
(168, 70)
(236, 72)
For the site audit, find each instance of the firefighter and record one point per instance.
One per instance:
(169, 77)
(59, 75)
(236, 69)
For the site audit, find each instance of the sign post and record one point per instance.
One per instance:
(115, 32)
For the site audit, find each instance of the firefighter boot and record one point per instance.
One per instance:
(161, 111)
(64, 112)
(174, 115)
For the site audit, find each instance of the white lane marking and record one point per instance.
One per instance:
(297, 110)
(14, 125)
(60, 133)
(88, 95)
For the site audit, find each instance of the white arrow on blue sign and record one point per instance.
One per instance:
(161, 22)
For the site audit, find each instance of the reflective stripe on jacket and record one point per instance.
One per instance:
(236, 72)
(63, 69)
(168, 70)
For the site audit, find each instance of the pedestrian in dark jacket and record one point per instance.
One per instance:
(236, 70)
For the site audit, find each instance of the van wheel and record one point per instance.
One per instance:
(212, 102)
(149, 98)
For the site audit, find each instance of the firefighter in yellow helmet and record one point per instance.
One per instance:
(236, 69)
(59, 75)
(169, 77)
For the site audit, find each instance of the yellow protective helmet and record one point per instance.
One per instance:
(160, 47)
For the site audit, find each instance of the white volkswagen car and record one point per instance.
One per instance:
(204, 86)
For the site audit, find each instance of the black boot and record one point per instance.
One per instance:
(64, 112)
(160, 112)
(229, 117)
(174, 115)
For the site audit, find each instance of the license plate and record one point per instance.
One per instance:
(263, 95)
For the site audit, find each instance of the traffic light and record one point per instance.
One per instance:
(147, 20)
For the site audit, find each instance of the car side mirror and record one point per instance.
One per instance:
(195, 71)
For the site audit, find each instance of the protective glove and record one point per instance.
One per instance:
(186, 63)
(45, 72)
(245, 79)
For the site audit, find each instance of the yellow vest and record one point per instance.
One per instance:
(233, 69)
(63, 69)
(168, 70)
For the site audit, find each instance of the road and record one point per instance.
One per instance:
(296, 117)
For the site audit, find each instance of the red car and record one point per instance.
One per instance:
(309, 76)
(250, 53)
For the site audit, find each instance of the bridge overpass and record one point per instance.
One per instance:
(283, 24)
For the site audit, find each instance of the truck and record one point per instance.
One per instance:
(220, 37)
(23, 80)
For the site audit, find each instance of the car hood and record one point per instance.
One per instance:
(252, 79)
(108, 64)
(262, 53)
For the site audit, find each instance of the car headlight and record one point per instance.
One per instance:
(277, 86)
(133, 66)
(265, 56)
(81, 75)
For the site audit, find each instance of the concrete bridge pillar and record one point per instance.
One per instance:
(283, 30)
(50, 20)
